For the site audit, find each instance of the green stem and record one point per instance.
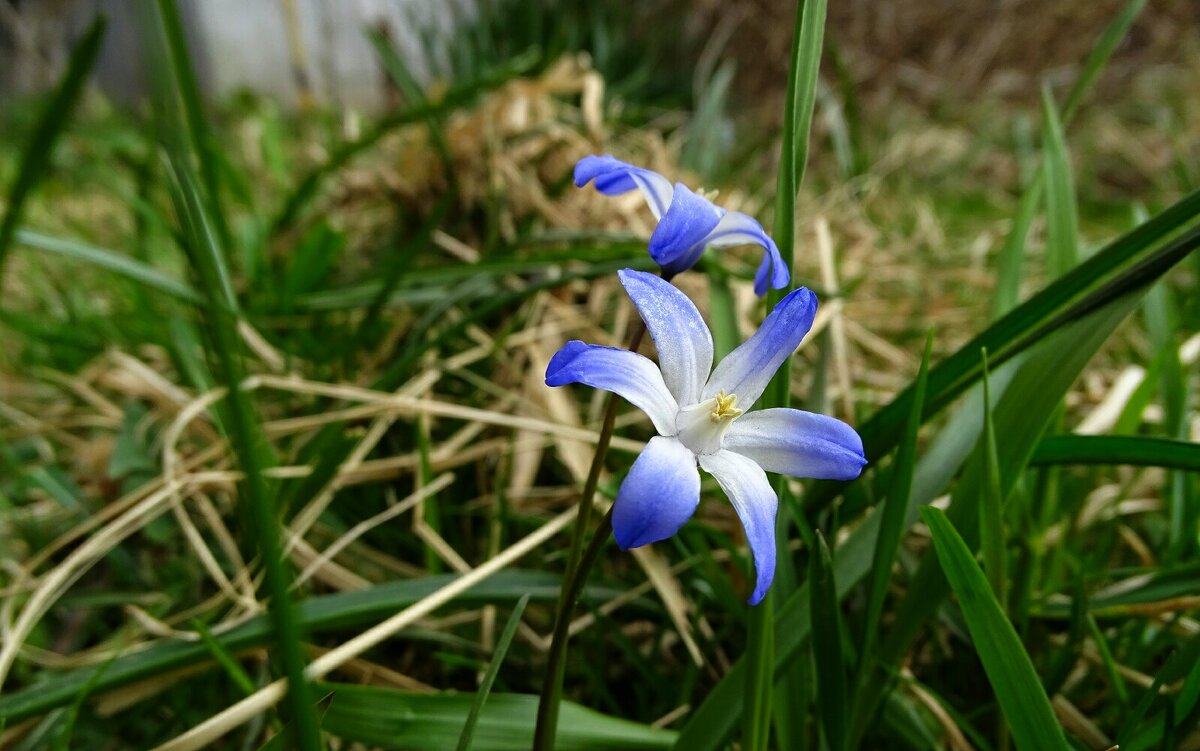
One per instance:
(579, 562)
(547, 716)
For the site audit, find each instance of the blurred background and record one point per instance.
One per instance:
(387, 185)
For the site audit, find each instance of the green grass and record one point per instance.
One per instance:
(163, 518)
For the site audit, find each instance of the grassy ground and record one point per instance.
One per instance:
(392, 288)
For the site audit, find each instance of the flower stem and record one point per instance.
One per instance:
(579, 563)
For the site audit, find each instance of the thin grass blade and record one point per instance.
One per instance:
(991, 516)
(485, 686)
(35, 160)
(125, 266)
(894, 517)
(1105, 45)
(804, 65)
(827, 647)
(1062, 221)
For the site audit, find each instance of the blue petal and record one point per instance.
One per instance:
(736, 228)
(755, 501)
(746, 370)
(620, 371)
(684, 344)
(614, 177)
(658, 495)
(678, 240)
(796, 443)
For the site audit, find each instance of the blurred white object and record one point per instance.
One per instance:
(293, 51)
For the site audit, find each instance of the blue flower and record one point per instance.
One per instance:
(687, 223)
(703, 418)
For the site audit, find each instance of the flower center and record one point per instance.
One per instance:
(725, 408)
(702, 426)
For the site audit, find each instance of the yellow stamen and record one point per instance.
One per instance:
(726, 408)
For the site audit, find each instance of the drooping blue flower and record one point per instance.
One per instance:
(703, 418)
(687, 223)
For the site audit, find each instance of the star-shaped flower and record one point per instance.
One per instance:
(704, 418)
(687, 222)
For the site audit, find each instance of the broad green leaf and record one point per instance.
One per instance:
(1132, 450)
(1008, 667)
(392, 719)
(320, 614)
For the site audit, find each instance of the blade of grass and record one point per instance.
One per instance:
(225, 659)
(1011, 255)
(1062, 221)
(991, 516)
(206, 257)
(1162, 323)
(427, 510)
(827, 647)
(65, 728)
(414, 98)
(388, 718)
(1130, 450)
(1110, 665)
(1105, 45)
(1007, 664)
(318, 614)
(51, 122)
(485, 686)
(108, 260)
(249, 448)
(804, 64)
(187, 87)
(1041, 381)
(722, 314)
(891, 528)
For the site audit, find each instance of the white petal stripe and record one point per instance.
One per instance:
(755, 501)
(683, 341)
(747, 370)
(620, 371)
(797, 443)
